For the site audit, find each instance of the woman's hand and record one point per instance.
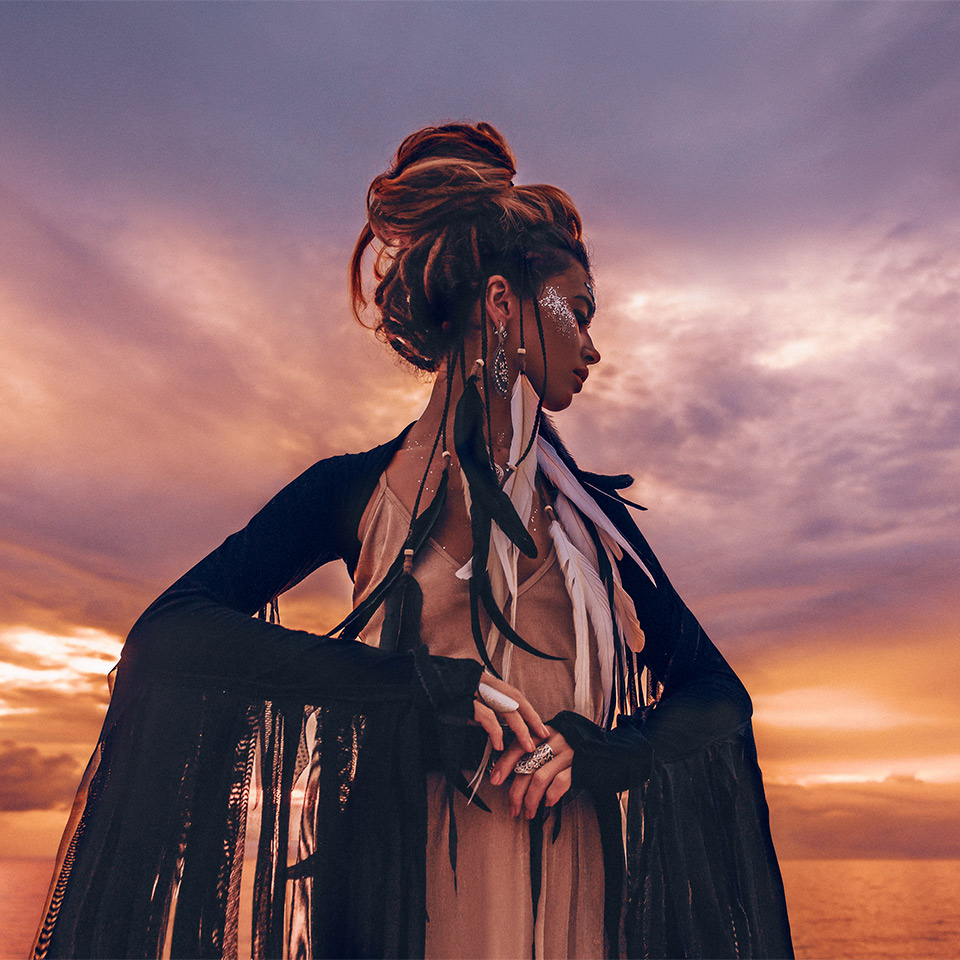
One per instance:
(549, 783)
(525, 722)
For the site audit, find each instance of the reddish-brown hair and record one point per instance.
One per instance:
(443, 219)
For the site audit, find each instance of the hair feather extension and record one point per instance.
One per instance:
(557, 472)
(585, 589)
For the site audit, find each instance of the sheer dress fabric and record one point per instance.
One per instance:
(489, 912)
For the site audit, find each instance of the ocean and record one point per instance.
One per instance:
(839, 909)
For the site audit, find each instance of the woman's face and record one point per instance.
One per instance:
(567, 305)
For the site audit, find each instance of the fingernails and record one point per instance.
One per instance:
(496, 777)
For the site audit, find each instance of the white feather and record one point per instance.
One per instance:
(519, 487)
(626, 613)
(575, 528)
(521, 484)
(581, 671)
(557, 472)
(600, 613)
(588, 597)
(624, 610)
(465, 487)
(504, 555)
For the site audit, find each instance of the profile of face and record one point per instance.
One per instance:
(567, 305)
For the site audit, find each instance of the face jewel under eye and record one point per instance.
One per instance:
(554, 302)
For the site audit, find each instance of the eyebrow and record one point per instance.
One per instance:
(591, 306)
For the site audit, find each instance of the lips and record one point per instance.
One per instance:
(582, 373)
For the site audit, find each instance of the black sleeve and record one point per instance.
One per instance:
(205, 693)
(708, 704)
(702, 878)
(201, 629)
(703, 699)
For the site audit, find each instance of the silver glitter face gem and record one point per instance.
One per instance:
(556, 303)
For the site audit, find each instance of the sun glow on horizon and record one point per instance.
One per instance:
(831, 708)
(36, 659)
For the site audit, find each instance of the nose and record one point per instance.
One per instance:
(588, 351)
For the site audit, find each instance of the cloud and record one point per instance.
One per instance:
(822, 470)
(719, 119)
(164, 373)
(770, 192)
(31, 781)
(898, 818)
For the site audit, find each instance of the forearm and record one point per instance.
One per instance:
(193, 639)
(710, 704)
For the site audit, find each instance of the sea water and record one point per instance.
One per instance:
(839, 909)
(872, 909)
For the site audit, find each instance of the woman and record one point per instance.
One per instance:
(497, 585)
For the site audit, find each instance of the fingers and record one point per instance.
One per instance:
(488, 720)
(533, 721)
(558, 786)
(551, 781)
(504, 766)
(524, 712)
(520, 730)
(529, 789)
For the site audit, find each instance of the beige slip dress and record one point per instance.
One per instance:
(490, 913)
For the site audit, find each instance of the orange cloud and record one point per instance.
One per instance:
(784, 391)
(898, 818)
(31, 781)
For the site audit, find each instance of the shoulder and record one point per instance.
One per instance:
(346, 472)
(330, 496)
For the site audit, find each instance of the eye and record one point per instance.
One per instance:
(583, 321)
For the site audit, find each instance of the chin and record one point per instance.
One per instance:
(556, 404)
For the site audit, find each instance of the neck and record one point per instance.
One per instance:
(426, 428)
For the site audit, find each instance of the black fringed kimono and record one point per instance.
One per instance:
(152, 856)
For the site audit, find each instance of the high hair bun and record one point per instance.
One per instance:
(442, 219)
(439, 173)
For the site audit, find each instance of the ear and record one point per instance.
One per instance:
(501, 302)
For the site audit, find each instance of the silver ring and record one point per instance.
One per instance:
(534, 761)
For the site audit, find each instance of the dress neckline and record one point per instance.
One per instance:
(387, 491)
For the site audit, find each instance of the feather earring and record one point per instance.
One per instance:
(485, 491)
(488, 505)
(519, 487)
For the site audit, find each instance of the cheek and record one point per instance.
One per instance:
(557, 313)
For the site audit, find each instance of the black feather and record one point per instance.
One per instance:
(501, 622)
(349, 628)
(485, 492)
(478, 629)
(452, 836)
(401, 615)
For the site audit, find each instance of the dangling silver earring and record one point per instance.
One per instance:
(501, 373)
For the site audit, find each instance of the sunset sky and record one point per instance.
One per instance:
(772, 197)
